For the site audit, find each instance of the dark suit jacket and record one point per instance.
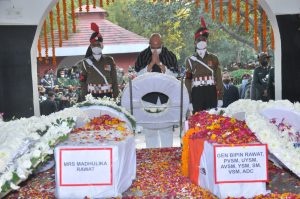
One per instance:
(230, 95)
(47, 107)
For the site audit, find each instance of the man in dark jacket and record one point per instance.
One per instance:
(231, 92)
(49, 105)
(156, 58)
(260, 77)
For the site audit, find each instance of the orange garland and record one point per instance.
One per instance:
(185, 150)
(80, 5)
(94, 3)
(221, 18)
(73, 16)
(58, 25)
(213, 16)
(255, 37)
(39, 46)
(197, 3)
(87, 7)
(264, 31)
(101, 3)
(272, 39)
(52, 39)
(247, 16)
(230, 12)
(206, 6)
(238, 14)
(65, 19)
(107, 2)
(46, 41)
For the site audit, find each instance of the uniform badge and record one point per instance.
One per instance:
(107, 67)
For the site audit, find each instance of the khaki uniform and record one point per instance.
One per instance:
(99, 84)
(204, 84)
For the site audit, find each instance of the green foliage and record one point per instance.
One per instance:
(177, 21)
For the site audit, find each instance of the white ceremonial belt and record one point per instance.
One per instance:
(99, 88)
(203, 81)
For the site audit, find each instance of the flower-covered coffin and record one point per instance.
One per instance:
(98, 159)
(206, 132)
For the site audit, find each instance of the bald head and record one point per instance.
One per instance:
(155, 41)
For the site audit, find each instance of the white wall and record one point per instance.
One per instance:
(22, 12)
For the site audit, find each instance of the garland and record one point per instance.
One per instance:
(80, 5)
(185, 150)
(58, 24)
(197, 3)
(238, 14)
(255, 37)
(52, 39)
(206, 6)
(213, 10)
(65, 18)
(264, 31)
(94, 3)
(40, 50)
(230, 12)
(46, 42)
(272, 39)
(221, 17)
(101, 3)
(247, 16)
(73, 16)
(107, 2)
(87, 7)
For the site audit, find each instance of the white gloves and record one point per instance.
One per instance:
(220, 103)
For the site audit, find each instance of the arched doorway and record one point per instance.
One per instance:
(274, 10)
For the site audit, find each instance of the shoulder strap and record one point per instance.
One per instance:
(202, 63)
(96, 69)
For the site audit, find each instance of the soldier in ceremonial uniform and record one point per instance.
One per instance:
(98, 72)
(203, 74)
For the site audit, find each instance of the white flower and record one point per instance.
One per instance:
(13, 186)
(8, 175)
(26, 164)
(23, 174)
(36, 153)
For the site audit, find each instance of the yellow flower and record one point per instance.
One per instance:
(213, 136)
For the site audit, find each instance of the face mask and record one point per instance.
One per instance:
(226, 81)
(97, 50)
(201, 48)
(46, 76)
(264, 63)
(244, 81)
(62, 75)
(201, 45)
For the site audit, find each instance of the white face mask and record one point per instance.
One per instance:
(201, 48)
(97, 50)
(158, 51)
